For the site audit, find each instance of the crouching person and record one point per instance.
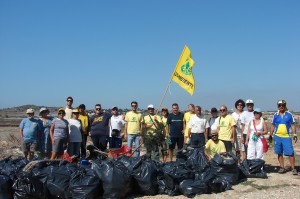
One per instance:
(29, 132)
(213, 146)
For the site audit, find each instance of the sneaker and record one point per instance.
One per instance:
(281, 170)
(294, 172)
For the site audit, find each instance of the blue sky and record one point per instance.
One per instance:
(113, 52)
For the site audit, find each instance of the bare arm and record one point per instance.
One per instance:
(233, 134)
(248, 134)
(52, 133)
(21, 134)
(206, 134)
(265, 129)
(272, 130)
(189, 132)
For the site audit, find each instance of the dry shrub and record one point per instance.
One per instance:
(13, 140)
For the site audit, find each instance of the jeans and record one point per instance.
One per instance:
(136, 139)
(198, 139)
(115, 142)
(100, 141)
(83, 146)
(153, 148)
(74, 148)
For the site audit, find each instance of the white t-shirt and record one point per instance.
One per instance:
(246, 118)
(116, 122)
(213, 123)
(68, 113)
(198, 124)
(74, 131)
(238, 120)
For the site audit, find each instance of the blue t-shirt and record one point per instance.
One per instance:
(99, 124)
(175, 123)
(30, 128)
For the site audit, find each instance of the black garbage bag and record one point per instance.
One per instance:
(205, 175)
(253, 168)
(115, 177)
(12, 167)
(145, 177)
(219, 184)
(225, 166)
(197, 160)
(190, 188)
(85, 184)
(174, 174)
(130, 162)
(28, 187)
(58, 180)
(6, 187)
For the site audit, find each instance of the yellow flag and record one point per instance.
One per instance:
(183, 73)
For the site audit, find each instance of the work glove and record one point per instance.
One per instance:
(295, 138)
(270, 139)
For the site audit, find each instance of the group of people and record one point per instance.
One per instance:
(241, 132)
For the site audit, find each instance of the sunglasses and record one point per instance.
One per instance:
(150, 108)
(213, 135)
(98, 109)
(61, 113)
(76, 113)
(281, 105)
(133, 105)
(70, 100)
(114, 109)
(222, 110)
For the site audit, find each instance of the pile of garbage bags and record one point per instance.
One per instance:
(192, 174)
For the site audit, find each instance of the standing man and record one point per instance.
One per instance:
(115, 131)
(198, 128)
(245, 119)
(282, 122)
(226, 127)
(99, 128)
(133, 127)
(84, 118)
(175, 129)
(213, 122)
(29, 131)
(152, 124)
(186, 119)
(69, 108)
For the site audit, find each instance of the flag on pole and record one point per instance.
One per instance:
(183, 74)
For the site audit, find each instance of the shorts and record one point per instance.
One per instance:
(283, 146)
(29, 146)
(178, 141)
(59, 145)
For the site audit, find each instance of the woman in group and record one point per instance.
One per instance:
(75, 134)
(164, 147)
(257, 128)
(59, 133)
(45, 145)
(237, 116)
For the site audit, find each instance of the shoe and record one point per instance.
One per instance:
(281, 170)
(294, 172)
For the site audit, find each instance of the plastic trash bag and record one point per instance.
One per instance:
(115, 177)
(6, 187)
(130, 163)
(85, 184)
(190, 188)
(219, 184)
(253, 168)
(12, 167)
(197, 160)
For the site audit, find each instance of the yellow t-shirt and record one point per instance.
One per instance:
(147, 120)
(212, 148)
(186, 119)
(134, 121)
(225, 124)
(85, 122)
(68, 113)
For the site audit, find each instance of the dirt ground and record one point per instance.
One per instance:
(276, 186)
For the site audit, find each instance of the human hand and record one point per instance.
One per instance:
(270, 139)
(232, 141)
(53, 142)
(242, 139)
(295, 138)
(246, 143)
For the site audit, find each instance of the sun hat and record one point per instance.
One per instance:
(61, 109)
(257, 110)
(75, 110)
(30, 110)
(150, 106)
(44, 109)
(281, 102)
(249, 101)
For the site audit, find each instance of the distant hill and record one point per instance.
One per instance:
(25, 107)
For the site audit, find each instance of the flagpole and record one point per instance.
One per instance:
(161, 101)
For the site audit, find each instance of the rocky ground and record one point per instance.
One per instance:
(276, 186)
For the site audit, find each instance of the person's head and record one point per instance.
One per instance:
(98, 109)
(114, 110)
(250, 105)
(69, 101)
(223, 110)
(30, 113)
(134, 106)
(214, 112)
(239, 105)
(191, 108)
(175, 108)
(281, 105)
(257, 113)
(214, 136)
(44, 112)
(75, 113)
(81, 108)
(151, 109)
(165, 112)
(61, 113)
(198, 110)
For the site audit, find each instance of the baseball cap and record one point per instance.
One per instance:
(281, 102)
(214, 109)
(30, 110)
(75, 110)
(61, 109)
(150, 106)
(44, 109)
(249, 101)
(114, 107)
(257, 110)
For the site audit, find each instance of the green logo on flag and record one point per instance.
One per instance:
(185, 68)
